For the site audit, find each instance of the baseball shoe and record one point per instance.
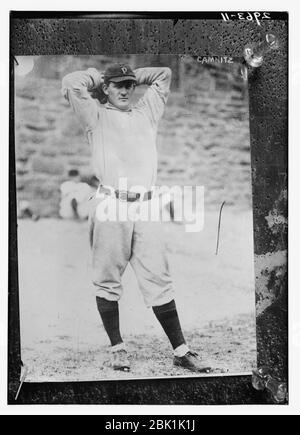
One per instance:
(120, 361)
(192, 362)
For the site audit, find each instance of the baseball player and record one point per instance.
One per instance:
(122, 136)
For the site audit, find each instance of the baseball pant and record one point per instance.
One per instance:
(116, 243)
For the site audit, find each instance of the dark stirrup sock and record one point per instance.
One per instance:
(109, 312)
(168, 318)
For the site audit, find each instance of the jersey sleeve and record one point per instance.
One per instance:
(155, 98)
(76, 89)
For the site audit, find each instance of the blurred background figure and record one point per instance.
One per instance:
(75, 195)
(25, 211)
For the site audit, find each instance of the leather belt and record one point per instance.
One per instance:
(126, 196)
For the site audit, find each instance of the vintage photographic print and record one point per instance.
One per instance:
(135, 226)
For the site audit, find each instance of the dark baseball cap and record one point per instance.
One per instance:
(119, 73)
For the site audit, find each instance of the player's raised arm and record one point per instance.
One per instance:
(76, 88)
(159, 80)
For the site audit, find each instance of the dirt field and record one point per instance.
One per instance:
(61, 332)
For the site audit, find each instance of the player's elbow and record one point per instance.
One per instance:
(64, 87)
(168, 72)
(70, 83)
(167, 77)
(67, 81)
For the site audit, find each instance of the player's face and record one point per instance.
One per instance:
(120, 94)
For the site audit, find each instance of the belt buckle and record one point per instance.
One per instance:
(132, 196)
(122, 195)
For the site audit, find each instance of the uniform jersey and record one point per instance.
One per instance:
(123, 142)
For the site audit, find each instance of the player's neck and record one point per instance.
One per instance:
(109, 105)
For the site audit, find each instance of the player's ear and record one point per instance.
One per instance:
(105, 88)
